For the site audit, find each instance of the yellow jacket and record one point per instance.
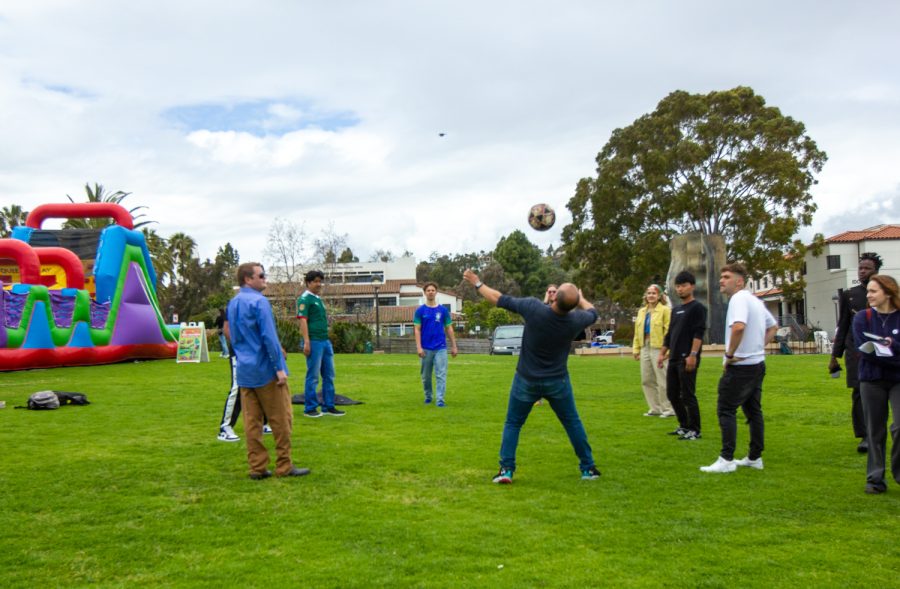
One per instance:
(659, 326)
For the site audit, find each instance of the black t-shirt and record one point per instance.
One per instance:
(688, 322)
(547, 336)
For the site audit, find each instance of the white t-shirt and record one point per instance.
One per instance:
(749, 310)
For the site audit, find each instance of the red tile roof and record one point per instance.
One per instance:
(876, 232)
(761, 294)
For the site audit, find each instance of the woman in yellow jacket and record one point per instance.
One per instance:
(650, 329)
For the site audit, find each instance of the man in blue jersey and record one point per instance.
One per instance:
(433, 327)
(261, 374)
(542, 371)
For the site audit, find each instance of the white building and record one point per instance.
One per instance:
(835, 269)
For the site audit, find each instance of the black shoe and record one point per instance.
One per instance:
(690, 435)
(863, 447)
(334, 412)
(875, 490)
(679, 432)
(590, 474)
(313, 413)
(258, 476)
(296, 472)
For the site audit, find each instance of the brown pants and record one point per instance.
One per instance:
(274, 402)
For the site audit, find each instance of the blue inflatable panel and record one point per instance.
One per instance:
(38, 336)
(81, 336)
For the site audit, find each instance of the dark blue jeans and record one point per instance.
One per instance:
(320, 361)
(741, 386)
(522, 397)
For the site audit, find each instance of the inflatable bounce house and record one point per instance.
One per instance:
(51, 315)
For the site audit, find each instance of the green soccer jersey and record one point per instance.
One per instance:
(313, 309)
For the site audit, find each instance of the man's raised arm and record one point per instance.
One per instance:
(484, 290)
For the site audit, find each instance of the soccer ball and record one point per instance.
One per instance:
(541, 217)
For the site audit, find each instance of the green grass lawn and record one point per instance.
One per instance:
(135, 490)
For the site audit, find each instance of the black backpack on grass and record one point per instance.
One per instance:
(53, 400)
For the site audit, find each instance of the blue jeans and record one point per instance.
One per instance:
(436, 361)
(522, 397)
(319, 361)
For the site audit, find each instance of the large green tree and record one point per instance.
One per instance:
(522, 262)
(718, 163)
(447, 270)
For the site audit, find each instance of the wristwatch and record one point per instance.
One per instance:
(478, 285)
(694, 354)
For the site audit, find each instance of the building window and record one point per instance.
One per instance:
(765, 282)
(833, 262)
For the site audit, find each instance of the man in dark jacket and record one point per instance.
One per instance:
(851, 301)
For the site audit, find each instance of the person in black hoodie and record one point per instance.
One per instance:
(850, 302)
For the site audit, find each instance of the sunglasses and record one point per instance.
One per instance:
(263, 276)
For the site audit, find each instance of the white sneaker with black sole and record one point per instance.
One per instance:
(226, 434)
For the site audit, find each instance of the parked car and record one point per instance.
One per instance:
(507, 339)
(604, 338)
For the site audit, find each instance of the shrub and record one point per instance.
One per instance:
(350, 338)
(289, 334)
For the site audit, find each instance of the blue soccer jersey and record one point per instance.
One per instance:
(431, 322)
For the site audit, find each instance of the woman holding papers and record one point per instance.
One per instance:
(877, 334)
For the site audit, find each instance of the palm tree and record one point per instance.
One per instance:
(98, 194)
(182, 248)
(162, 256)
(10, 217)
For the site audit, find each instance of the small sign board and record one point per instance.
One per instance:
(192, 343)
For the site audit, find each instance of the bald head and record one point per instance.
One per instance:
(567, 297)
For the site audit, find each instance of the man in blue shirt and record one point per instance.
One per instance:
(433, 326)
(261, 374)
(542, 371)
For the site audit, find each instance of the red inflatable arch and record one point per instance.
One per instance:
(25, 258)
(67, 260)
(78, 210)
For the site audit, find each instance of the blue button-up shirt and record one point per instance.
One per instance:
(254, 339)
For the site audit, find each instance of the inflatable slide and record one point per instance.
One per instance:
(52, 315)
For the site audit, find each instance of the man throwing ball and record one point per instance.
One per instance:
(542, 370)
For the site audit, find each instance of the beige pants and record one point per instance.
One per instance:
(274, 402)
(653, 380)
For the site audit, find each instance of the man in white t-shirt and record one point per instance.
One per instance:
(748, 328)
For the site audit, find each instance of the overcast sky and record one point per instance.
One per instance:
(221, 116)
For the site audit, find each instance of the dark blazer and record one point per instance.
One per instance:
(850, 302)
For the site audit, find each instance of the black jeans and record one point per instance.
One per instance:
(741, 386)
(878, 397)
(681, 388)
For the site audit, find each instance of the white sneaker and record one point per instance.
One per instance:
(757, 464)
(720, 465)
(226, 434)
(665, 414)
(267, 429)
